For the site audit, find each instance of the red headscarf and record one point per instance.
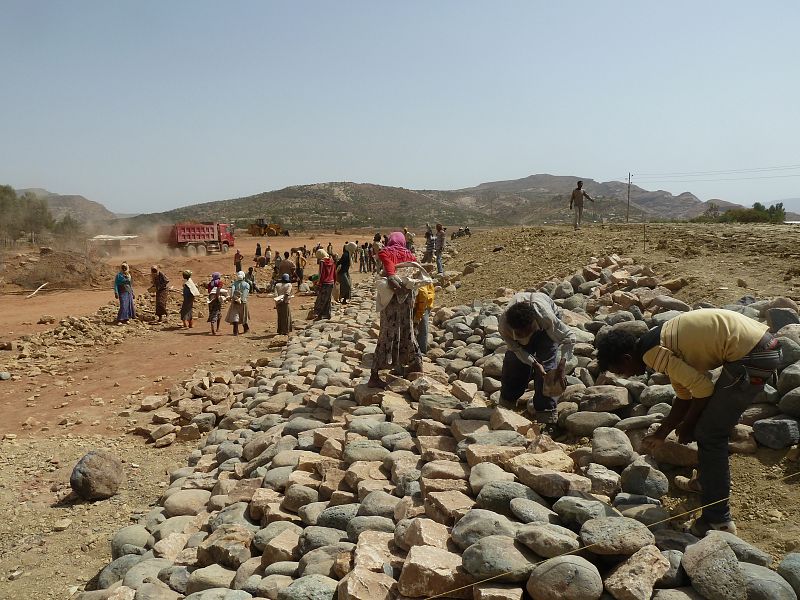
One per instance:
(395, 252)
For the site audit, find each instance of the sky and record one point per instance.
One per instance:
(146, 106)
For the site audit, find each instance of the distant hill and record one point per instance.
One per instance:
(531, 200)
(541, 198)
(328, 206)
(80, 208)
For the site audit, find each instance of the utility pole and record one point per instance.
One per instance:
(628, 214)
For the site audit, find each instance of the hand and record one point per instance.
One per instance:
(538, 368)
(685, 432)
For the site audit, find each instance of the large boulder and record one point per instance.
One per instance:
(98, 475)
(714, 570)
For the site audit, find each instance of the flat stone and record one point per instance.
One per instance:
(310, 587)
(495, 591)
(604, 398)
(484, 473)
(615, 536)
(530, 511)
(447, 507)
(229, 546)
(548, 540)
(553, 484)
(362, 584)
(585, 422)
(186, 502)
(604, 480)
(430, 571)
(634, 579)
(213, 576)
(685, 593)
(424, 532)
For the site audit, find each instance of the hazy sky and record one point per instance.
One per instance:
(150, 105)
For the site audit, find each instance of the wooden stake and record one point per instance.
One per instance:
(36, 290)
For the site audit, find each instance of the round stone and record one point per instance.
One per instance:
(499, 557)
(565, 578)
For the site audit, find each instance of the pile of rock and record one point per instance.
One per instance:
(49, 351)
(311, 485)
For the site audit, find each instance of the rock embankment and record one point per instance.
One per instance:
(310, 485)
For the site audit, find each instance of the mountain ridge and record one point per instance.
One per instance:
(531, 200)
(534, 199)
(76, 206)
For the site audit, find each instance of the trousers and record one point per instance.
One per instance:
(733, 393)
(516, 375)
(578, 208)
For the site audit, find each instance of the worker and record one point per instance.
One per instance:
(533, 331)
(423, 303)
(576, 200)
(685, 349)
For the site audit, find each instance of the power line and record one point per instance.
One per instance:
(723, 172)
(717, 179)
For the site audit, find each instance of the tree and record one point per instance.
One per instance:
(22, 214)
(68, 227)
(712, 212)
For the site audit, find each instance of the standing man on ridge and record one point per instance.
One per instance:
(578, 194)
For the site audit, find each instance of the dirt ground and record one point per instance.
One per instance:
(766, 258)
(51, 420)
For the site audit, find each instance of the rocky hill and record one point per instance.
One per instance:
(78, 207)
(542, 198)
(532, 200)
(330, 206)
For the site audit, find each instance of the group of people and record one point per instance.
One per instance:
(217, 295)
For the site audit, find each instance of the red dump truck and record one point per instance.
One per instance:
(197, 238)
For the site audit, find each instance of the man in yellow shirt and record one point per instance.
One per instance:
(685, 349)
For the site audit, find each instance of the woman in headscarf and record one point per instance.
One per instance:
(283, 293)
(237, 313)
(397, 343)
(343, 270)
(123, 291)
(161, 285)
(215, 299)
(190, 291)
(258, 249)
(327, 276)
